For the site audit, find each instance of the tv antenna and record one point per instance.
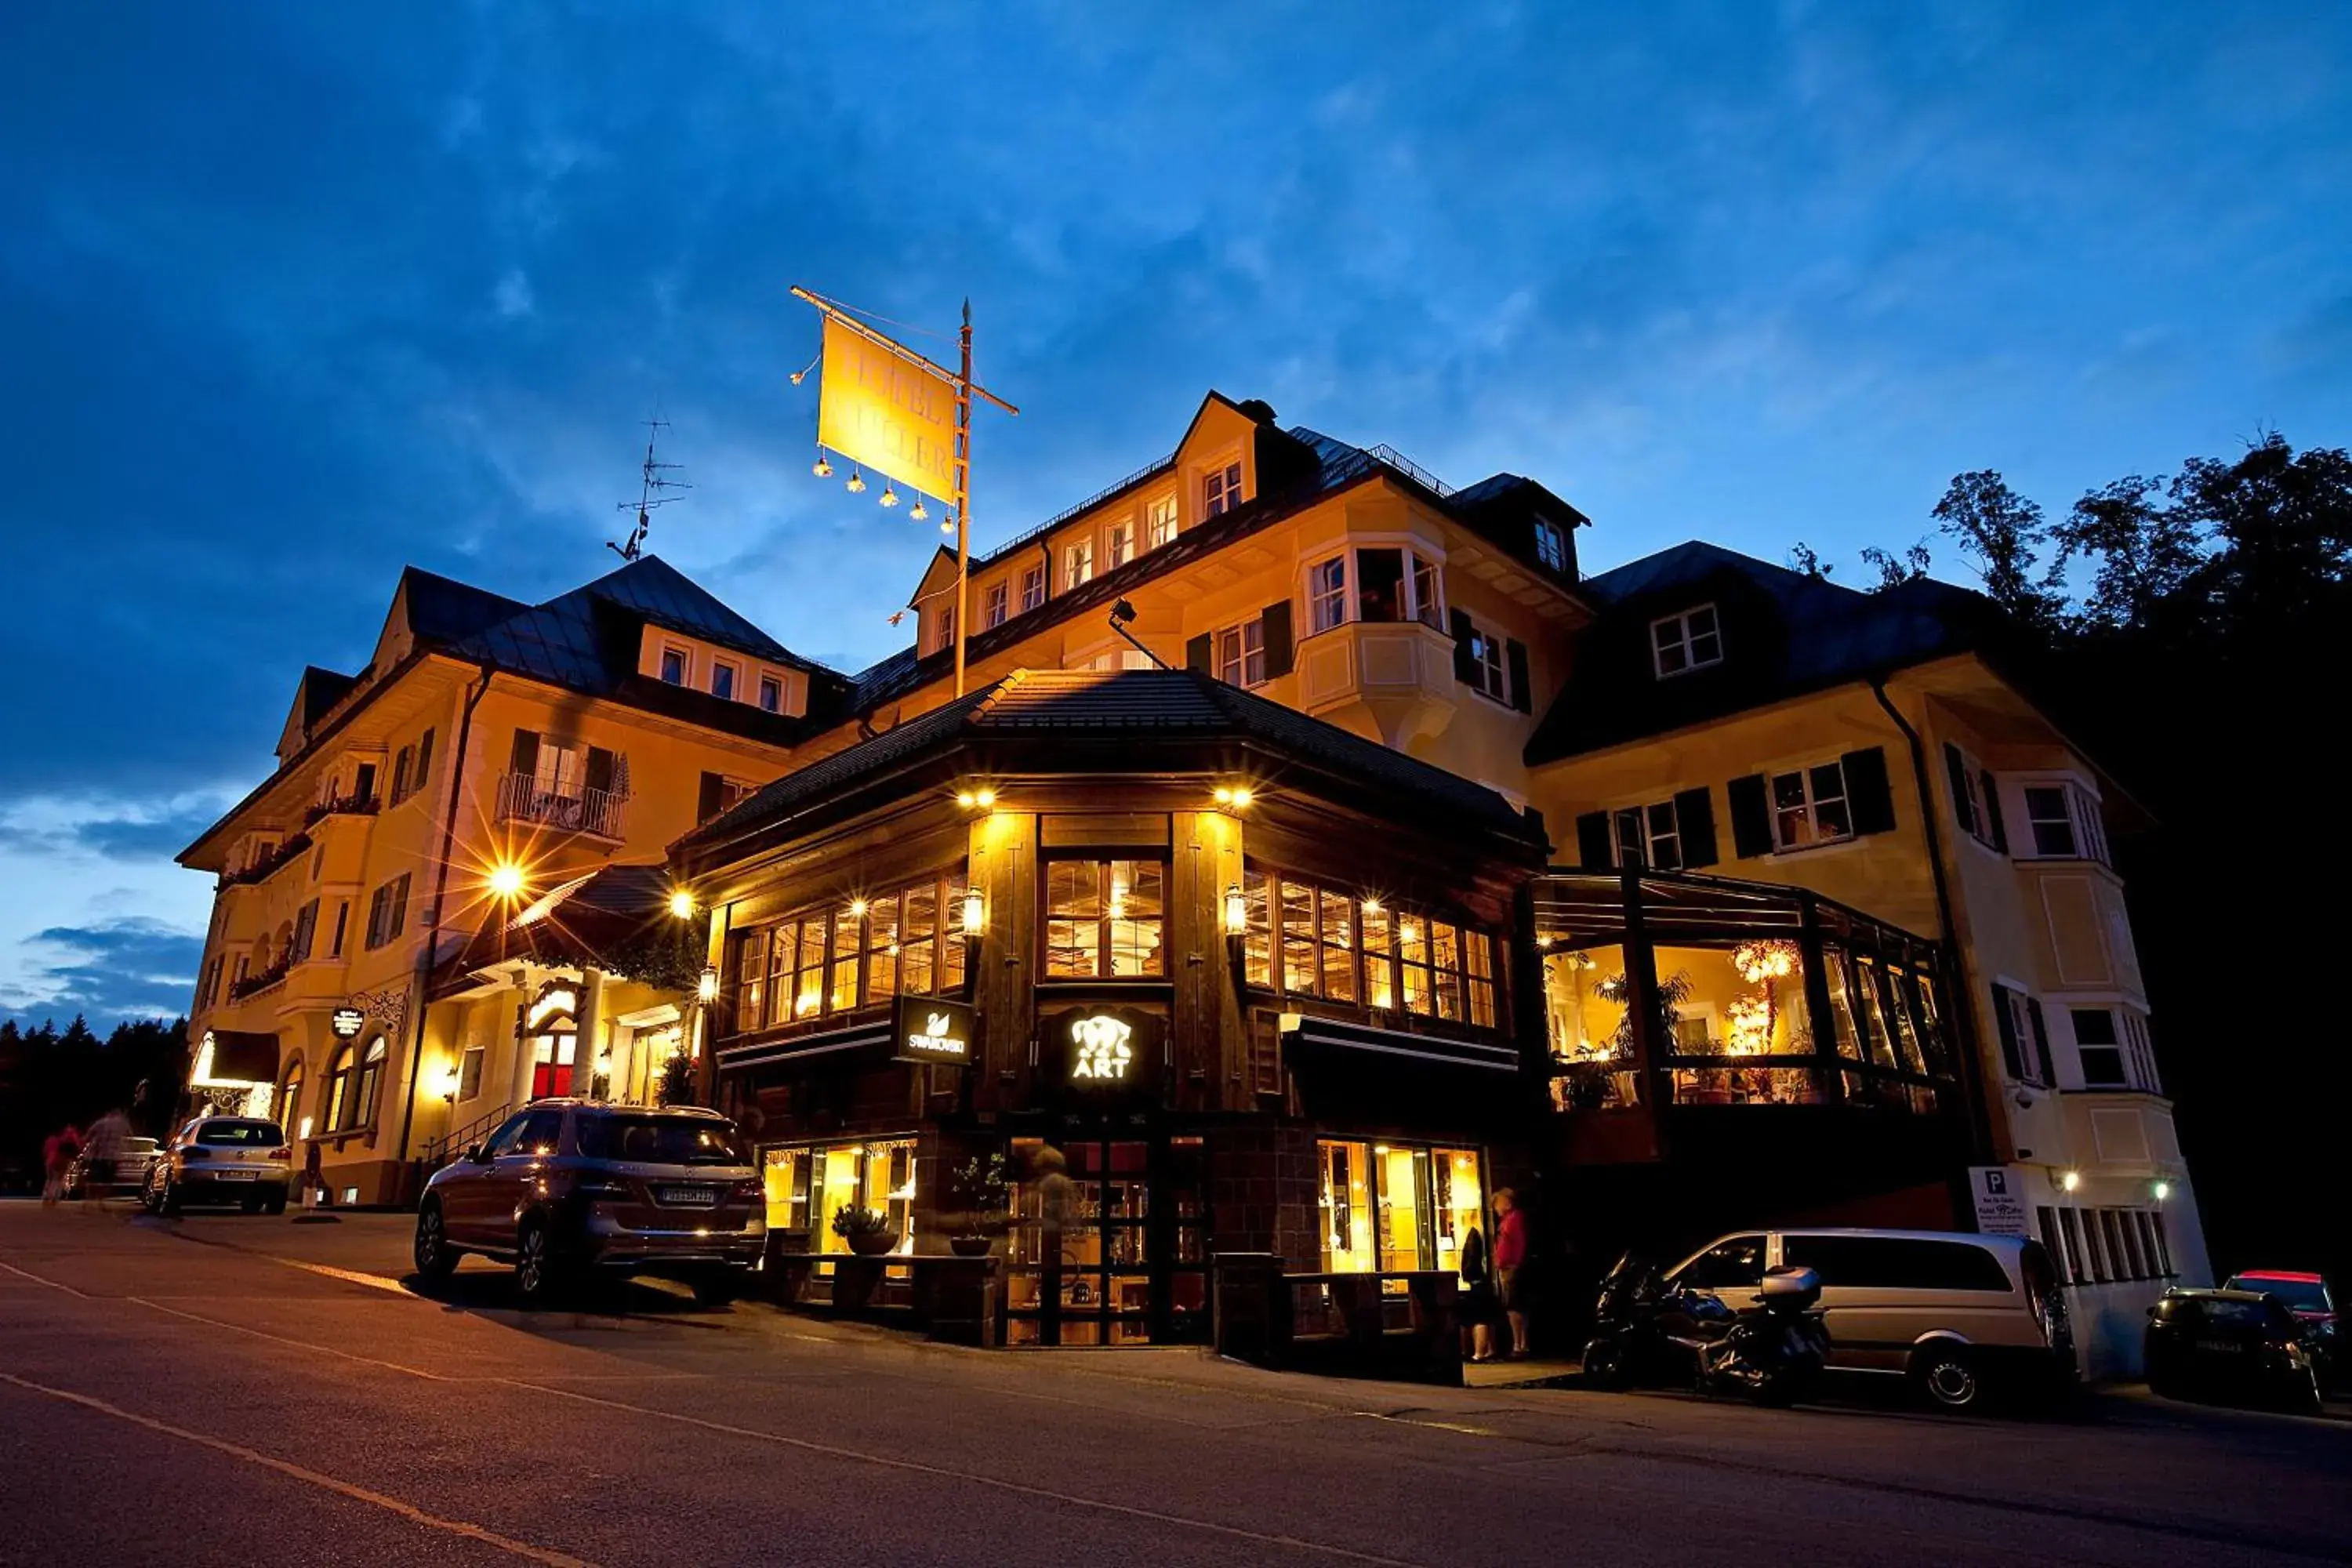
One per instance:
(650, 496)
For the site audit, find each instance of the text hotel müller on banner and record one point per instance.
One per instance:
(885, 413)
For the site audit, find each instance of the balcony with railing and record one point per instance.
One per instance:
(341, 806)
(524, 797)
(264, 865)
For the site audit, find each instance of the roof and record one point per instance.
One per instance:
(322, 690)
(1784, 633)
(442, 609)
(1121, 712)
(589, 919)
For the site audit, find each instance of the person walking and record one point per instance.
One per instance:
(58, 1152)
(1478, 1305)
(109, 1136)
(1510, 1257)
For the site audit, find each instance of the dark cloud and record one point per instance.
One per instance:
(132, 968)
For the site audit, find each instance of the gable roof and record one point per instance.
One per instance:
(1122, 720)
(1784, 635)
(442, 609)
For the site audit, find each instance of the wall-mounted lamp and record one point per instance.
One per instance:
(1236, 796)
(707, 988)
(1236, 909)
(505, 879)
(2159, 1190)
(975, 912)
(2070, 1181)
(981, 799)
(451, 1078)
(681, 903)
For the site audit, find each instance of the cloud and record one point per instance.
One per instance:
(513, 297)
(139, 833)
(130, 968)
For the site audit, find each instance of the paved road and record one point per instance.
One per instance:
(226, 1390)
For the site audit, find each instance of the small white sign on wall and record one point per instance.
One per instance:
(2000, 1195)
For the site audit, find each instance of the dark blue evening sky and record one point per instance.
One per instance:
(290, 296)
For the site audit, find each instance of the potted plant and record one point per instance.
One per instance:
(983, 1202)
(868, 1232)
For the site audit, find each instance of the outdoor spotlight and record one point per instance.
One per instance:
(681, 903)
(707, 988)
(1225, 795)
(1236, 909)
(2071, 1181)
(2159, 1190)
(889, 495)
(1123, 613)
(822, 469)
(1241, 797)
(967, 799)
(856, 483)
(505, 879)
(984, 798)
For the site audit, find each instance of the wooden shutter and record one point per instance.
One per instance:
(708, 800)
(1992, 811)
(1465, 663)
(1516, 652)
(1958, 767)
(1277, 620)
(2012, 1058)
(1869, 798)
(1694, 825)
(600, 769)
(424, 760)
(399, 907)
(1751, 817)
(1594, 841)
(524, 759)
(2040, 1040)
(1199, 654)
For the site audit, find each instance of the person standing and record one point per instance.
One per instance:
(1510, 1257)
(58, 1152)
(1477, 1298)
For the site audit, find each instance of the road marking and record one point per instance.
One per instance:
(283, 1339)
(309, 1477)
(1405, 1420)
(52, 1284)
(1019, 1488)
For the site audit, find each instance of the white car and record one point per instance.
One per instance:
(239, 1160)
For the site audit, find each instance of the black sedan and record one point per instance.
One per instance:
(2230, 1347)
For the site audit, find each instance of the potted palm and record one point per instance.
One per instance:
(868, 1232)
(983, 1201)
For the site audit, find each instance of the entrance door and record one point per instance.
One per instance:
(550, 1071)
(1109, 1247)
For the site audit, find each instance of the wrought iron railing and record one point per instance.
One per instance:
(448, 1147)
(522, 798)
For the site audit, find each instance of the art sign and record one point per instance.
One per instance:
(929, 1029)
(1104, 1049)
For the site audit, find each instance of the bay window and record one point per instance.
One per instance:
(1307, 941)
(1392, 585)
(824, 962)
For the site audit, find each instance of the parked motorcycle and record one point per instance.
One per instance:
(1645, 1333)
(1630, 1344)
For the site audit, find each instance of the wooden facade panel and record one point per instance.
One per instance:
(1078, 830)
(1003, 866)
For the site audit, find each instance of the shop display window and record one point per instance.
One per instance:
(825, 961)
(806, 1185)
(1397, 1207)
(1307, 941)
(1105, 919)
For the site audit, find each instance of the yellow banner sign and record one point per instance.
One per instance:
(887, 413)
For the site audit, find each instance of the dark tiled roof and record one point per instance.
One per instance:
(442, 609)
(586, 919)
(1122, 708)
(1784, 634)
(322, 690)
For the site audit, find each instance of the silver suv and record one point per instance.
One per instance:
(239, 1160)
(568, 1187)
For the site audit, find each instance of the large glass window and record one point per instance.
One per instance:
(808, 1184)
(1304, 940)
(821, 962)
(1391, 1207)
(1729, 1010)
(1104, 918)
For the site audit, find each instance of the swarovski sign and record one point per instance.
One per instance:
(927, 1030)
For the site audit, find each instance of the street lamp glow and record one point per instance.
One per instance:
(2071, 1181)
(681, 903)
(707, 988)
(505, 879)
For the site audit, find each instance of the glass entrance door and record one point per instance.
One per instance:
(1108, 1244)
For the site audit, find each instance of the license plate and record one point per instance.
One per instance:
(231, 1173)
(687, 1197)
(2221, 1347)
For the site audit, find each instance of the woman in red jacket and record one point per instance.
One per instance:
(1510, 1254)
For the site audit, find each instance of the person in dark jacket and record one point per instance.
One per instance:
(1480, 1306)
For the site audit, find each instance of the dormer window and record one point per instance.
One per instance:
(722, 681)
(1551, 544)
(1691, 640)
(1122, 543)
(1033, 588)
(993, 604)
(772, 694)
(1221, 491)
(673, 666)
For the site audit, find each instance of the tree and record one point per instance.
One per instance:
(1892, 573)
(2001, 533)
(2147, 554)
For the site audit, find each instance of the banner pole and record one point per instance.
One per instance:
(963, 494)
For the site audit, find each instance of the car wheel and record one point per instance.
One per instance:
(251, 1205)
(168, 1206)
(1948, 1378)
(537, 1279)
(151, 1194)
(434, 1258)
(1605, 1366)
(716, 1289)
(274, 1203)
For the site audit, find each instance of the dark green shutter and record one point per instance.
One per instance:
(1593, 841)
(2011, 1058)
(1198, 655)
(1465, 662)
(524, 760)
(423, 759)
(1751, 817)
(1694, 825)
(1516, 652)
(706, 800)
(1869, 798)
(2041, 1041)
(1277, 620)
(1956, 767)
(1992, 812)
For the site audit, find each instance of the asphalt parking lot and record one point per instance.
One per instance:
(226, 1389)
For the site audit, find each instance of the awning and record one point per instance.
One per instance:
(235, 1056)
(1333, 1036)
(858, 1042)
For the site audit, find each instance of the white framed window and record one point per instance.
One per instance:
(722, 681)
(945, 637)
(1650, 836)
(1809, 806)
(1241, 653)
(2113, 1046)
(1033, 588)
(1685, 642)
(993, 604)
(1077, 564)
(674, 664)
(1159, 522)
(1117, 658)
(1326, 594)
(1551, 544)
(772, 694)
(1220, 491)
(1121, 544)
(1976, 799)
(2064, 823)
(559, 770)
(1490, 670)
(1428, 600)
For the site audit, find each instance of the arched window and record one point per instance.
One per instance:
(371, 1082)
(288, 1108)
(339, 1107)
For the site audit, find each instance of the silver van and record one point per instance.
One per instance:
(1961, 1315)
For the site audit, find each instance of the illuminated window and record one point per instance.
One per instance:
(1159, 522)
(994, 608)
(1121, 543)
(1303, 939)
(807, 1186)
(1688, 641)
(1078, 564)
(1221, 491)
(1104, 918)
(1393, 1207)
(825, 961)
(1033, 588)
(1808, 808)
